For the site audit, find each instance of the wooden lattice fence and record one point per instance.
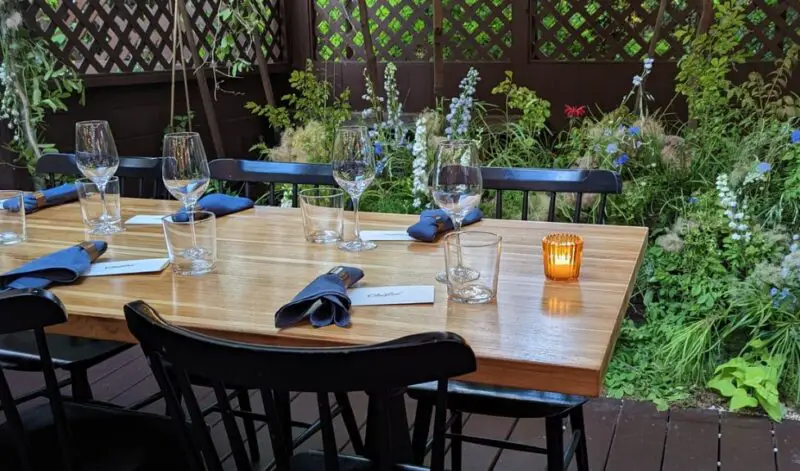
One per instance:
(115, 36)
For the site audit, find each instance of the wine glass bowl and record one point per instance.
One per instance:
(97, 158)
(185, 167)
(456, 187)
(354, 169)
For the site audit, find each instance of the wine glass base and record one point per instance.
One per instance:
(473, 294)
(106, 229)
(459, 275)
(357, 245)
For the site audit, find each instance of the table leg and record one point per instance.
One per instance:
(387, 427)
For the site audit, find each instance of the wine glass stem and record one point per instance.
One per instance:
(104, 216)
(190, 209)
(356, 229)
(457, 221)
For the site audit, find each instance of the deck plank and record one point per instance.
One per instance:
(639, 439)
(787, 439)
(528, 432)
(746, 443)
(692, 443)
(600, 418)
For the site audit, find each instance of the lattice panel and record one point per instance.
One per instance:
(773, 27)
(402, 29)
(115, 36)
(616, 30)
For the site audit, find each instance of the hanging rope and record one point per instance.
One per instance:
(177, 48)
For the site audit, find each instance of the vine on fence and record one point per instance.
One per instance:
(34, 82)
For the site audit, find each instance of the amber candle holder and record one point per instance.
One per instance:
(562, 254)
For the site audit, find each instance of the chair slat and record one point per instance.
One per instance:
(525, 195)
(130, 169)
(578, 203)
(498, 204)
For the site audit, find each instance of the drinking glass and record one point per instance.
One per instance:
(192, 243)
(353, 162)
(323, 214)
(185, 172)
(480, 250)
(99, 212)
(12, 223)
(97, 158)
(456, 187)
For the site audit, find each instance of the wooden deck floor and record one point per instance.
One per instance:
(622, 435)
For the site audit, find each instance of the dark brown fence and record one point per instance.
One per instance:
(569, 51)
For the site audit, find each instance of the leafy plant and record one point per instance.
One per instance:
(703, 72)
(311, 101)
(535, 111)
(769, 99)
(749, 382)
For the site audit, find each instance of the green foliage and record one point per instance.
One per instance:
(703, 72)
(749, 382)
(535, 111)
(310, 101)
(34, 84)
(181, 124)
(758, 97)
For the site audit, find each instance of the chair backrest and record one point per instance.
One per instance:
(552, 181)
(33, 310)
(380, 370)
(139, 177)
(250, 172)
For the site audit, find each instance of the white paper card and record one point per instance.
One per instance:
(126, 267)
(143, 219)
(385, 295)
(386, 235)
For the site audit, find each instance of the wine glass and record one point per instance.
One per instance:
(456, 187)
(97, 158)
(353, 162)
(186, 175)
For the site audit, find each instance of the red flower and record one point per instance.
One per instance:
(575, 111)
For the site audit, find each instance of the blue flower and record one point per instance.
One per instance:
(378, 149)
(621, 160)
(635, 130)
(773, 291)
(637, 80)
(692, 200)
(648, 63)
(796, 136)
(763, 167)
(612, 148)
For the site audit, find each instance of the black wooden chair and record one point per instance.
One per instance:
(580, 182)
(73, 354)
(69, 436)
(139, 177)
(467, 397)
(253, 172)
(380, 370)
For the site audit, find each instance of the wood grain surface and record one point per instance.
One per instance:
(554, 336)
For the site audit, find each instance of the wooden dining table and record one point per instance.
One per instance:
(539, 334)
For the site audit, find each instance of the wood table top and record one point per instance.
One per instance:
(552, 336)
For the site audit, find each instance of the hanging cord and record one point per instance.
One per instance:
(174, 60)
(177, 48)
(185, 78)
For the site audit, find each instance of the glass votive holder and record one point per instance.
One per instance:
(563, 254)
(323, 214)
(12, 217)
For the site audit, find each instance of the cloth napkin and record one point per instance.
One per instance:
(324, 301)
(433, 222)
(42, 199)
(219, 204)
(64, 266)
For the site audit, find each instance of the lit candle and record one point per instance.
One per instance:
(563, 254)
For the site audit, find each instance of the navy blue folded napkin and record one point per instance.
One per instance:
(219, 204)
(64, 266)
(324, 301)
(42, 199)
(433, 222)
